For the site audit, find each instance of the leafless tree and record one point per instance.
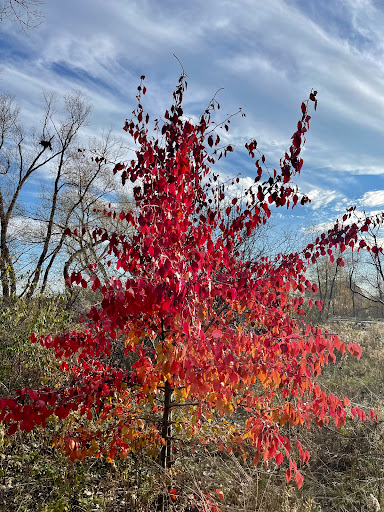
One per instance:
(89, 190)
(24, 157)
(25, 12)
(82, 250)
(368, 272)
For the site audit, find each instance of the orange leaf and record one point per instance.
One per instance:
(256, 458)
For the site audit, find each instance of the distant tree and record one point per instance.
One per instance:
(23, 157)
(203, 334)
(83, 252)
(367, 274)
(355, 288)
(86, 188)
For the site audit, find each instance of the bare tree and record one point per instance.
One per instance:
(82, 250)
(368, 273)
(61, 226)
(355, 289)
(24, 157)
(25, 12)
(90, 188)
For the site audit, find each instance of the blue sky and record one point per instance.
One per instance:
(266, 55)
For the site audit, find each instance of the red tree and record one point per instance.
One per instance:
(204, 332)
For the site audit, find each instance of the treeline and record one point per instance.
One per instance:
(354, 290)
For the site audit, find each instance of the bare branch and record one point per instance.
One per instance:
(26, 13)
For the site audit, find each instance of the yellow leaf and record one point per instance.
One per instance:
(220, 406)
(228, 409)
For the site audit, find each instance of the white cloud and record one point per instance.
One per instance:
(28, 230)
(321, 198)
(373, 198)
(357, 216)
(321, 227)
(238, 189)
(267, 56)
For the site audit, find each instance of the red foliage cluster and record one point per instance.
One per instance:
(199, 324)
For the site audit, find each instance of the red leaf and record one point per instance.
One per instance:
(96, 283)
(256, 458)
(279, 458)
(32, 394)
(12, 429)
(217, 333)
(373, 414)
(220, 494)
(355, 350)
(166, 305)
(299, 479)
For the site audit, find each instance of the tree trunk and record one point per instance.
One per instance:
(7, 272)
(166, 428)
(166, 433)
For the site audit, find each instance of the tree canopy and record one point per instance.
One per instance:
(191, 340)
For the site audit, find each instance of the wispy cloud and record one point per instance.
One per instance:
(321, 198)
(267, 56)
(373, 198)
(321, 227)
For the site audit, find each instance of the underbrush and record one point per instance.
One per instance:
(345, 472)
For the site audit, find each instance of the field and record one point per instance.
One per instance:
(345, 471)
